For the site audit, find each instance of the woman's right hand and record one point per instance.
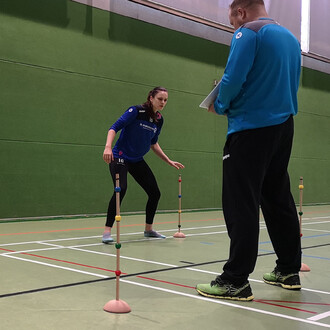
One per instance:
(107, 155)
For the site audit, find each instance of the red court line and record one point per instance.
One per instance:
(267, 302)
(89, 228)
(49, 231)
(98, 268)
(60, 260)
(283, 306)
(7, 250)
(67, 262)
(166, 282)
(293, 302)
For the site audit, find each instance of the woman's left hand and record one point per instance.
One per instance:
(177, 165)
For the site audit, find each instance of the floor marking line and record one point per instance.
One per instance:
(319, 316)
(229, 304)
(89, 228)
(166, 282)
(295, 302)
(36, 250)
(61, 286)
(7, 250)
(71, 262)
(51, 240)
(99, 236)
(49, 231)
(320, 230)
(315, 291)
(56, 266)
(54, 245)
(106, 277)
(159, 270)
(124, 257)
(132, 225)
(188, 266)
(283, 306)
(316, 223)
(129, 234)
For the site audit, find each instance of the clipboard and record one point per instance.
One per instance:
(211, 97)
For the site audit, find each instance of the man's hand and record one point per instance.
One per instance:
(211, 108)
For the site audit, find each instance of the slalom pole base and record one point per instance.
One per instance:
(179, 235)
(116, 306)
(304, 268)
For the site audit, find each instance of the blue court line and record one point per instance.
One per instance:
(314, 257)
(320, 235)
(303, 237)
(303, 255)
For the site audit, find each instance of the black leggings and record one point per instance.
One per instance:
(143, 175)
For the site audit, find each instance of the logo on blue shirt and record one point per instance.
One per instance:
(150, 128)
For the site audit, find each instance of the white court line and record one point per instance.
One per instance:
(320, 230)
(315, 223)
(310, 321)
(203, 234)
(316, 291)
(99, 236)
(138, 233)
(229, 304)
(316, 218)
(134, 259)
(55, 266)
(32, 250)
(319, 316)
(55, 245)
(123, 257)
(78, 247)
(51, 240)
(175, 266)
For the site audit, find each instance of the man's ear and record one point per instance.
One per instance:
(241, 12)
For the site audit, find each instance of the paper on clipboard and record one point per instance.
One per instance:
(211, 97)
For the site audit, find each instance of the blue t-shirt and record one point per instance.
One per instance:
(138, 132)
(260, 83)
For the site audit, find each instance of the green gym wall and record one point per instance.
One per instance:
(68, 71)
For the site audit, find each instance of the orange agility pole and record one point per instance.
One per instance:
(304, 267)
(117, 305)
(179, 234)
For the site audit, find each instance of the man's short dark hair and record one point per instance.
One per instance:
(244, 4)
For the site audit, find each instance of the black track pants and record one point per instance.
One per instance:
(255, 174)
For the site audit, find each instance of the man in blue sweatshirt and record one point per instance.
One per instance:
(258, 94)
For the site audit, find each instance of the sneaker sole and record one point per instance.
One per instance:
(225, 297)
(107, 242)
(284, 286)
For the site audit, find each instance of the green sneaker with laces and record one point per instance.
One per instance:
(224, 290)
(286, 281)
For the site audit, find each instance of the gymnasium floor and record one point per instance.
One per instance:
(58, 275)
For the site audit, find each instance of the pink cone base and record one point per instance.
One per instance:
(179, 235)
(304, 268)
(116, 306)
